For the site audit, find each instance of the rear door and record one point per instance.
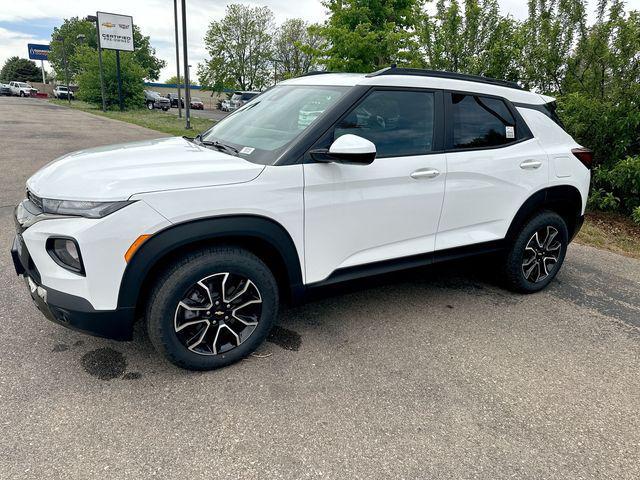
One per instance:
(493, 165)
(362, 214)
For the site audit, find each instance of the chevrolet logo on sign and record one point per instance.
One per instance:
(108, 25)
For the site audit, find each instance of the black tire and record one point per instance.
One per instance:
(22, 94)
(174, 284)
(525, 251)
(150, 105)
(164, 109)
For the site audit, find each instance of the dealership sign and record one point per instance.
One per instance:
(38, 52)
(115, 31)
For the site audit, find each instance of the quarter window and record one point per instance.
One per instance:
(399, 123)
(481, 122)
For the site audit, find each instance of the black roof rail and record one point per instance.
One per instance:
(393, 70)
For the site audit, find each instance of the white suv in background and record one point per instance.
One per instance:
(205, 237)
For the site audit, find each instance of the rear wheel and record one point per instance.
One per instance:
(537, 253)
(212, 308)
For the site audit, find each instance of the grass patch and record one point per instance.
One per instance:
(165, 122)
(612, 232)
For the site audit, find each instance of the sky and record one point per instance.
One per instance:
(32, 21)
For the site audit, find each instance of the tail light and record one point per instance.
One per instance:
(584, 155)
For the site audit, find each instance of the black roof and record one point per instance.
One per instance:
(393, 70)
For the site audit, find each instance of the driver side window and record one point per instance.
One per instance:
(399, 123)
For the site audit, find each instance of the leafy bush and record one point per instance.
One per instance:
(622, 180)
(635, 215)
(610, 128)
(603, 200)
(89, 78)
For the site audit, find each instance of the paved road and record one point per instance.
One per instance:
(430, 374)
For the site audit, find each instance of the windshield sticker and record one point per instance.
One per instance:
(247, 150)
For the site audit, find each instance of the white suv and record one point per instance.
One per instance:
(323, 178)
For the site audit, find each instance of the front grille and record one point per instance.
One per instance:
(37, 201)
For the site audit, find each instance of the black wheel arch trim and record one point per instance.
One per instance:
(566, 200)
(186, 234)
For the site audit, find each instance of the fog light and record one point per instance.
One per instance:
(66, 253)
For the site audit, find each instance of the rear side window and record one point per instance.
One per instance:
(398, 123)
(479, 122)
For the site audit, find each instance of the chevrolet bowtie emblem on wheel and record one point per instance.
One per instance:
(219, 313)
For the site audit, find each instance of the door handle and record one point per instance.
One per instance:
(425, 173)
(531, 164)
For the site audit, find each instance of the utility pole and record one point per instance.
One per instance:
(187, 93)
(175, 14)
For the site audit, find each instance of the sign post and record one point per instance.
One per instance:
(39, 52)
(115, 32)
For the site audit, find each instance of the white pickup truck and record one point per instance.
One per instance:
(22, 89)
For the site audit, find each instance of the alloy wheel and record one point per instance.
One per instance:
(218, 313)
(541, 255)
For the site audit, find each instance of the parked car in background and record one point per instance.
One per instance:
(155, 100)
(225, 105)
(196, 104)
(173, 98)
(22, 89)
(5, 89)
(63, 92)
(329, 178)
(239, 98)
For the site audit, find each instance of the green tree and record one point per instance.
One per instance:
(71, 28)
(88, 79)
(549, 36)
(21, 70)
(174, 80)
(475, 39)
(240, 49)
(294, 48)
(365, 35)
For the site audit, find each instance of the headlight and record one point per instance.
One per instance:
(66, 253)
(80, 208)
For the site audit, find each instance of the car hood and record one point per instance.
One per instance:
(116, 172)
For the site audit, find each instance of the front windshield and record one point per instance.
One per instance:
(263, 128)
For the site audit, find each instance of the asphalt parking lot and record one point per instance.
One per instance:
(433, 373)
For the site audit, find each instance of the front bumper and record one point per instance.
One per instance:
(69, 310)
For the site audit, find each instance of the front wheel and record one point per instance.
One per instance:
(164, 109)
(537, 253)
(22, 94)
(212, 308)
(150, 105)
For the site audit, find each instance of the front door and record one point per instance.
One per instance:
(357, 214)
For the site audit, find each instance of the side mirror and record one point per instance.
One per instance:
(349, 149)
